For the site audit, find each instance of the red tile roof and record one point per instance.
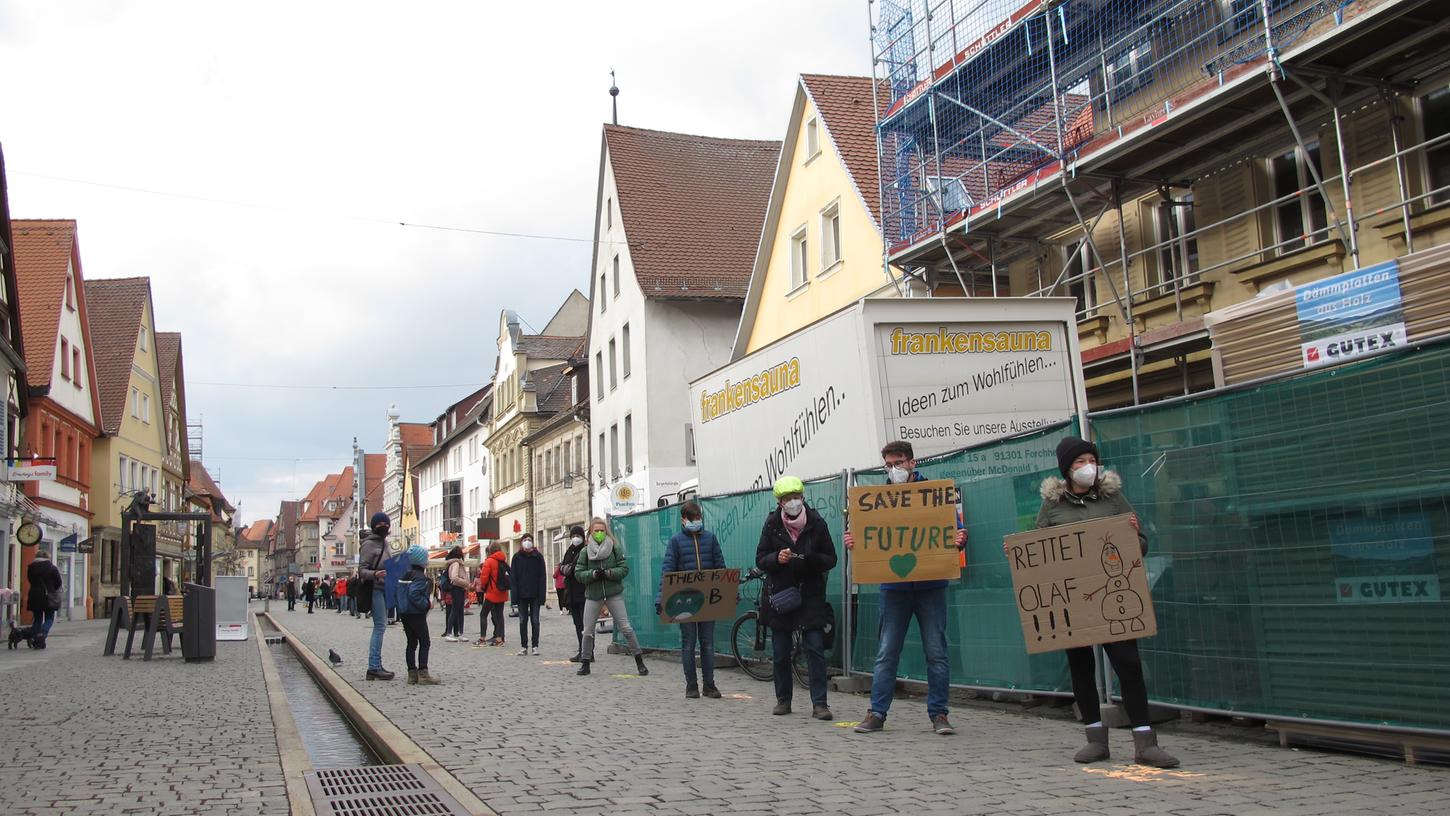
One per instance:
(43, 251)
(416, 434)
(692, 208)
(168, 351)
(849, 115)
(115, 307)
(203, 485)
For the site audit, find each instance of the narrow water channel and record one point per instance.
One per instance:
(328, 737)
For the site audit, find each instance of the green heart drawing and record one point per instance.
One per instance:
(902, 565)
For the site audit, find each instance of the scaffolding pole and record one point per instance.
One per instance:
(1390, 105)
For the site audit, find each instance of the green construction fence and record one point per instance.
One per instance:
(1297, 543)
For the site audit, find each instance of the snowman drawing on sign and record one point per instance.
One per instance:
(1122, 604)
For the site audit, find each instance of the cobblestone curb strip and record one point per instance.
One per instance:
(295, 761)
(386, 739)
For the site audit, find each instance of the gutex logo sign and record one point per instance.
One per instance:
(1390, 559)
(1351, 315)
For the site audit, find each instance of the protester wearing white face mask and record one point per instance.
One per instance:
(1087, 491)
(530, 587)
(574, 588)
(796, 552)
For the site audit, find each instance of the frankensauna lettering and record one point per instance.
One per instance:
(774, 380)
(802, 430)
(967, 342)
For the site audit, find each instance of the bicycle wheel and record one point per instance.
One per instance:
(750, 644)
(798, 665)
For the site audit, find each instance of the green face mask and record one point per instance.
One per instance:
(599, 536)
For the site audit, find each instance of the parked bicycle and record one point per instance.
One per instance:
(750, 639)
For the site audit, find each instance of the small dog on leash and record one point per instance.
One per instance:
(24, 633)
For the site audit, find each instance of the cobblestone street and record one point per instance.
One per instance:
(526, 735)
(81, 733)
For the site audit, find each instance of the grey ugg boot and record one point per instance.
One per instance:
(1096, 749)
(1147, 752)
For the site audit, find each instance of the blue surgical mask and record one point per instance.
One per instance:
(694, 526)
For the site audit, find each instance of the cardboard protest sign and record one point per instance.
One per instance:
(704, 595)
(1081, 584)
(904, 532)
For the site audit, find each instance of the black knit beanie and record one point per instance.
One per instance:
(1070, 449)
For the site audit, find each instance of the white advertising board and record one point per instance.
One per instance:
(940, 373)
(232, 617)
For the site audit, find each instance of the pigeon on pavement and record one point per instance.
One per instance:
(334, 657)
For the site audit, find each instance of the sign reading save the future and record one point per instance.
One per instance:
(904, 532)
(703, 595)
(1081, 584)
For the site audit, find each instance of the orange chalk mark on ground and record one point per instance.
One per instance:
(1142, 773)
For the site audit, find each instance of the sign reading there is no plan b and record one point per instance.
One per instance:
(904, 532)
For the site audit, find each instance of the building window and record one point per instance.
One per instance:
(135, 403)
(599, 375)
(564, 459)
(1130, 70)
(70, 293)
(64, 359)
(579, 455)
(1300, 220)
(626, 351)
(813, 138)
(121, 477)
(614, 451)
(75, 366)
(1080, 280)
(1177, 256)
(145, 408)
(628, 443)
(616, 276)
(1435, 122)
(145, 344)
(602, 460)
(798, 262)
(613, 367)
(603, 294)
(609, 213)
(830, 236)
(541, 471)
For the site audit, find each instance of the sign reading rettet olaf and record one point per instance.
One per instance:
(940, 373)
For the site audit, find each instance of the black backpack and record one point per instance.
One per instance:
(501, 577)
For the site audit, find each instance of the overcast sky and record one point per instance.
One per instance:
(481, 115)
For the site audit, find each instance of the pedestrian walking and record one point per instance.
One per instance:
(690, 549)
(601, 568)
(1086, 491)
(493, 582)
(372, 553)
(796, 552)
(456, 582)
(574, 589)
(45, 596)
(309, 593)
(561, 594)
(899, 603)
(530, 588)
(415, 597)
(291, 594)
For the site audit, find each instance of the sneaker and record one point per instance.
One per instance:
(536, 651)
(523, 651)
(821, 712)
(871, 724)
(942, 726)
(692, 692)
(451, 639)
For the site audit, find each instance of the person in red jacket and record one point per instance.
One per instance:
(495, 565)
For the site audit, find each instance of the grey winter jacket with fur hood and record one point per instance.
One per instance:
(1061, 506)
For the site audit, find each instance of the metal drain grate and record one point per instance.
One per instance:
(375, 790)
(273, 640)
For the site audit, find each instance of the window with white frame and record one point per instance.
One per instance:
(798, 258)
(145, 344)
(628, 443)
(813, 138)
(1300, 219)
(616, 276)
(599, 375)
(599, 463)
(1129, 70)
(625, 349)
(135, 403)
(145, 408)
(830, 235)
(121, 477)
(1177, 255)
(613, 366)
(1435, 123)
(1079, 279)
(614, 451)
(609, 213)
(603, 294)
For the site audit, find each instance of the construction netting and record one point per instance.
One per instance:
(1297, 532)
(977, 95)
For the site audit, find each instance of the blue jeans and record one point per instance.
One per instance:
(43, 621)
(529, 613)
(814, 641)
(380, 625)
(930, 608)
(705, 634)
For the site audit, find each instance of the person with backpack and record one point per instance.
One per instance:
(454, 584)
(45, 596)
(493, 585)
(573, 589)
(530, 588)
(415, 597)
(602, 569)
(559, 591)
(690, 549)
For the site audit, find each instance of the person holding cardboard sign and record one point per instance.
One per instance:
(927, 601)
(691, 549)
(795, 553)
(1086, 491)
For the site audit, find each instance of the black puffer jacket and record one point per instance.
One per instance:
(809, 573)
(43, 577)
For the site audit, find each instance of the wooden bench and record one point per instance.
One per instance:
(163, 615)
(1405, 741)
